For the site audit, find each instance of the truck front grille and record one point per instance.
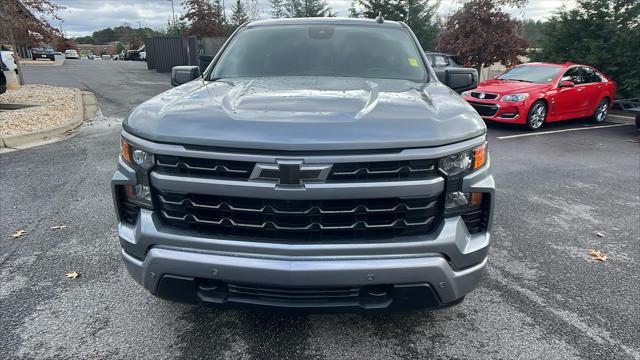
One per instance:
(212, 168)
(340, 172)
(299, 220)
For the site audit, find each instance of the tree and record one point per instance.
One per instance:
(353, 11)
(601, 33)
(277, 8)
(418, 14)
(201, 18)
(253, 10)
(175, 28)
(301, 8)
(63, 44)
(420, 18)
(239, 15)
(482, 34)
(25, 21)
(219, 9)
(533, 31)
(135, 43)
(390, 9)
(119, 47)
(85, 40)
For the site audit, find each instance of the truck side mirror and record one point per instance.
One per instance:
(183, 74)
(461, 79)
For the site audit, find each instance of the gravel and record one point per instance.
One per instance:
(57, 104)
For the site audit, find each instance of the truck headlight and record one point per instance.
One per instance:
(466, 93)
(141, 162)
(463, 162)
(455, 167)
(515, 97)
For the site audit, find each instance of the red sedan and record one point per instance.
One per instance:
(535, 93)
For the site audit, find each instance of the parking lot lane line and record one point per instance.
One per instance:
(560, 131)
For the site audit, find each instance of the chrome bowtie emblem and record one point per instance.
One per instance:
(481, 96)
(290, 172)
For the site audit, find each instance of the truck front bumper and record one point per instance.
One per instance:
(421, 279)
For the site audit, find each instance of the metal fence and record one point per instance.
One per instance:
(163, 53)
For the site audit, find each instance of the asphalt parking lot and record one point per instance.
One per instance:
(542, 297)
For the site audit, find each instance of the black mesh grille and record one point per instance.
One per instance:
(477, 219)
(484, 109)
(299, 220)
(341, 172)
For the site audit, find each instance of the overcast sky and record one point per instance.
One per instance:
(82, 17)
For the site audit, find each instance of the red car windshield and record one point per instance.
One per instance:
(532, 73)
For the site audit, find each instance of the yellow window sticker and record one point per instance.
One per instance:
(413, 62)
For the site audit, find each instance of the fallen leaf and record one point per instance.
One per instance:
(19, 233)
(72, 275)
(599, 234)
(598, 255)
(58, 227)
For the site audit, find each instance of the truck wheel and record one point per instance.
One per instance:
(601, 111)
(537, 115)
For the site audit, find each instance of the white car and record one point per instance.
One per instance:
(9, 60)
(143, 56)
(10, 70)
(71, 54)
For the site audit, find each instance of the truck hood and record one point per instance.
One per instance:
(504, 87)
(306, 113)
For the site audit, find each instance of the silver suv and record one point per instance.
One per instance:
(315, 163)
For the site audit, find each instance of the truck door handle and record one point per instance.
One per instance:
(580, 89)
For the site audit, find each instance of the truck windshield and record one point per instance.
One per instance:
(540, 74)
(322, 50)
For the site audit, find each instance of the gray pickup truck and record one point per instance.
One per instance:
(316, 163)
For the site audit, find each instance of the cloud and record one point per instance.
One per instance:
(82, 17)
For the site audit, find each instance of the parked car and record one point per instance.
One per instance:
(440, 62)
(143, 56)
(317, 163)
(71, 54)
(133, 55)
(57, 53)
(437, 60)
(119, 56)
(43, 53)
(535, 93)
(11, 76)
(9, 59)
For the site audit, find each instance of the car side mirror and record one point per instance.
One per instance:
(566, 84)
(183, 74)
(461, 79)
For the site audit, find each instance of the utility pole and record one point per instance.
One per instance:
(173, 13)
(224, 11)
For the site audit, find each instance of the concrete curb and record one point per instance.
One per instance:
(29, 62)
(77, 118)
